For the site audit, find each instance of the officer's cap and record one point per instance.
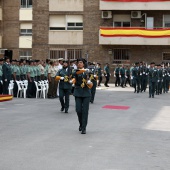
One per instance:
(152, 63)
(1, 59)
(158, 64)
(65, 61)
(81, 59)
(37, 61)
(60, 59)
(136, 63)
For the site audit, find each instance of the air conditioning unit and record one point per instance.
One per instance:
(135, 14)
(106, 14)
(2, 51)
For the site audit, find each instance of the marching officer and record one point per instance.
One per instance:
(116, 74)
(135, 77)
(159, 82)
(153, 78)
(99, 74)
(64, 86)
(122, 75)
(107, 74)
(93, 79)
(82, 94)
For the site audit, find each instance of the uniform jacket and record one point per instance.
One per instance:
(6, 71)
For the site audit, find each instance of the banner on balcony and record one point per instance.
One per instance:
(135, 0)
(134, 32)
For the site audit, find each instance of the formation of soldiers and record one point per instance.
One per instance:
(139, 76)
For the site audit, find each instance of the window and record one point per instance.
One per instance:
(166, 21)
(166, 56)
(66, 22)
(65, 53)
(121, 21)
(74, 53)
(121, 55)
(26, 29)
(57, 53)
(26, 3)
(26, 54)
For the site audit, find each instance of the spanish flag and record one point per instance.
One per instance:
(135, 0)
(135, 32)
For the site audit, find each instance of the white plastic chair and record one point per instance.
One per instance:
(38, 89)
(20, 90)
(24, 86)
(10, 88)
(46, 86)
(43, 89)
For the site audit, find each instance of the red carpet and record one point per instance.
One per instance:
(4, 98)
(116, 107)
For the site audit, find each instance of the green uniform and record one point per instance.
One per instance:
(122, 73)
(82, 98)
(107, 75)
(93, 79)
(153, 77)
(1, 89)
(64, 88)
(99, 74)
(46, 71)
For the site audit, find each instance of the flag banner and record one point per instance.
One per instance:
(135, 0)
(135, 32)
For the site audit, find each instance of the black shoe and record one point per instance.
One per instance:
(66, 110)
(83, 131)
(135, 91)
(80, 129)
(153, 96)
(107, 86)
(91, 101)
(149, 96)
(62, 109)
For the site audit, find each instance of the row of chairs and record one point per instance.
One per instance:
(41, 88)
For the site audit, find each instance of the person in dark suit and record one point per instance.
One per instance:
(64, 86)
(82, 94)
(107, 74)
(6, 75)
(1, 88)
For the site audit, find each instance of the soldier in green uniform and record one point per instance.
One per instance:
(35, 70)
(122, 75)
(6, 75)
(38, 70)
(93, 78)
(99, 74)
(116, 74)
(107, 74)
(1, 89)
(127, 75)
(159, 82)
(153, 78)
(135, 77)
(16, 77)
(64, 86)
(82, 95)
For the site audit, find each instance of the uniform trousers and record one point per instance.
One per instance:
(15, 90)
(52, 88)
(5, 86)
(82, 109)
(127, 80)
(107, 79)
(159, 87)
(136, 84)
(93, 90)
(31, 90)
(117, 82)
(100, 80)
(64, 96)
(152, 87)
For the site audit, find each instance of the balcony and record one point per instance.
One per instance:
(134, 36)
(65, 5)
(66, 37)
(134, 4)
(25, 14)
(25, 42)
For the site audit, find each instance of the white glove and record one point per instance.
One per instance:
(71, 81)
(87, 70)
(158, 81)
(146, 73)
(89, 82)
(73, 85)
(102, 74)
(131, 77)
(110, 74)
(114, 75)
(162, 80)
(119, 75)
(61, 78)
(125, 76)
(94, 75)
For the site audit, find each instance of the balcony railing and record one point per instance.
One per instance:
(134, 32)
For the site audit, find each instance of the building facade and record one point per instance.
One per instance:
(113, 31)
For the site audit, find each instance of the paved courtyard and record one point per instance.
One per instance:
(35, 135)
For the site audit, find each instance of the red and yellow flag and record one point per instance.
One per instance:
(135, 32)
(135, 0)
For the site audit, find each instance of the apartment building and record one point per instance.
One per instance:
(114, 31)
